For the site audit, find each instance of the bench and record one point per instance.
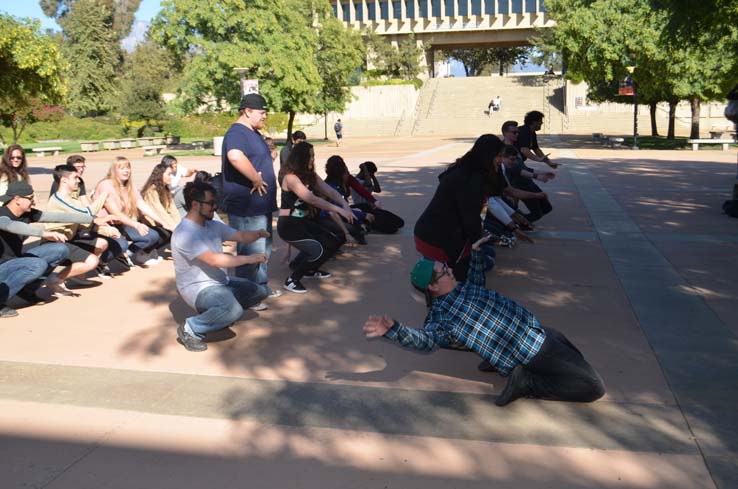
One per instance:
(41, 152)
(153, 150)
(615, 142)
(111, 144)
(696, 143)
(89, 146)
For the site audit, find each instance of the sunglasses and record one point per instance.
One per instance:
(16, 158)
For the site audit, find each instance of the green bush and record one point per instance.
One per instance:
(70, 128)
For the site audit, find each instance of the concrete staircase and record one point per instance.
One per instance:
(457, 106)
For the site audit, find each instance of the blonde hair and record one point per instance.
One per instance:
(126, 191)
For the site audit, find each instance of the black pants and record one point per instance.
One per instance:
(384, 221)
(559, 372)
(537, 208)
(316, 244)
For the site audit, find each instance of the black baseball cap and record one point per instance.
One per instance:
(253, 101)
(19, 188)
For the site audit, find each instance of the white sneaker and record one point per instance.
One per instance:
(259, 307)
(57, 286)
(144, 259)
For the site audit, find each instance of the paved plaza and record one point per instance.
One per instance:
(637, 265)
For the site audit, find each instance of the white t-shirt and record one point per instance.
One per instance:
(189, 241)
(177, 177)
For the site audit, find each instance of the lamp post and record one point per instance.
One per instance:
(631, 70)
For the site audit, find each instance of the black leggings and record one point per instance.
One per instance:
(559, 372)
(316, 244)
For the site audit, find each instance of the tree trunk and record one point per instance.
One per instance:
(502, 68)
(694, 104)
(654, 127)
(466, 69)
(289, 124)
(672, 119)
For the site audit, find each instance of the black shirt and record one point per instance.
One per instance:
(527, 139)
(11, 245)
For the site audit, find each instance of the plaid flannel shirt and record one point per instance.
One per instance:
(500, 330)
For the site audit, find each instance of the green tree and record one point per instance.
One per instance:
(92, 31)
(474, 61)
(477, 60)
(402, 61)
(31, 69)
(665, 70)
(274, 41)
(337, 56)
(504, 57)
(146, 71)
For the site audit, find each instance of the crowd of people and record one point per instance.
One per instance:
(476, 205)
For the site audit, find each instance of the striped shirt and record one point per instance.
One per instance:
(499, 329)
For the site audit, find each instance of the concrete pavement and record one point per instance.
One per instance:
(634, 265)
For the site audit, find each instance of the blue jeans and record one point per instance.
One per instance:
(51, 253)
(221, 305)
(16, 273)
(254, 272)
(140, 242)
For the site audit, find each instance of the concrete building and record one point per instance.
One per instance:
(446, 24)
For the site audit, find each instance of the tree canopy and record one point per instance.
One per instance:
(275, 41)
(665, 69)
(478, 60)
(31, 70)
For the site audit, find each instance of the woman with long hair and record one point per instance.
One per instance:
(295, 226)
(13, 167)
(125, 203)
(452, 221)
(337, 176)
(158, 195)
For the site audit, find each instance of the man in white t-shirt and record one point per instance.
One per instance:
(200, 269)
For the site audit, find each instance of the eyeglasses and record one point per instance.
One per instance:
(211, 203)
(29, 197)
(444, 271)
(16, 158)
(80, 166)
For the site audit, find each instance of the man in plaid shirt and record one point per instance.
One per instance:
(540, 362)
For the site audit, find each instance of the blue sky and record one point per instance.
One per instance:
(30, 8)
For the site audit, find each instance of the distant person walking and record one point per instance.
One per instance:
(338, 127)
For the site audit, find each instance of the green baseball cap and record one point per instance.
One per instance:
(422, 273)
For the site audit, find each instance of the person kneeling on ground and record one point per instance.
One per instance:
(540, 362)
(199, 268)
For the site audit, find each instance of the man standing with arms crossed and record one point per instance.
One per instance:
(249, 185)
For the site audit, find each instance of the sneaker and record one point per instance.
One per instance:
(125, 260)
(190, 342)
(58, 286)
(8, 312)
(103, 272)
(259, 307)
(317, 274)
(274, 294)
(154, 255)
(294, 286)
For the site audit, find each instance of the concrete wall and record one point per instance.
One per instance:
(711, 113)
(389, 103)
